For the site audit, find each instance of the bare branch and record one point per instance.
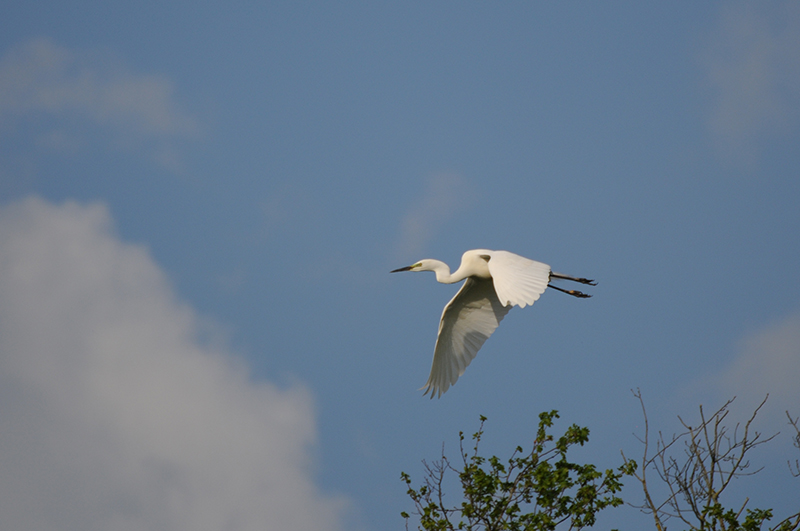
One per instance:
(795, 471)
(696, 477)
(650, 506)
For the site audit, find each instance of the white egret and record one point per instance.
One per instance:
(496, 281)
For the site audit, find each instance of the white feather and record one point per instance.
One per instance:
(467, 322)
(496, 281)
(517, 280)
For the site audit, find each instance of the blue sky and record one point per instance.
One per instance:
(200, 205)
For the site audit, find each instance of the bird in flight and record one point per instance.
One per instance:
(496, 281)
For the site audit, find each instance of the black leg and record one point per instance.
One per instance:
(574, 293)
(574, 279)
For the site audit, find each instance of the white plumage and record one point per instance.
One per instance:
(495, 282)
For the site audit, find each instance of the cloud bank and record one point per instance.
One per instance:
(114, 416)
(445, 195)
(768, 362)
(753, 66)
(39, 79)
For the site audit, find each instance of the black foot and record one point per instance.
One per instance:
(573, 292)
(582, 280)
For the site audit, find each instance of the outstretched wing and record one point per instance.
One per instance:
(517, 280)
(467, 322)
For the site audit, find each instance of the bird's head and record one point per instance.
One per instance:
(422, 265)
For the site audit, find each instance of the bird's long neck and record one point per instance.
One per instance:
(443, 275)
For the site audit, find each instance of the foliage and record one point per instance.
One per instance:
(533, 491)
(696, 478)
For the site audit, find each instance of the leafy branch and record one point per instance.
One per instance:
(536, 490)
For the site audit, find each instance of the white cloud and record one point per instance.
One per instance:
(114, 416)
(753, 65)
(42, 79)
(445, 195)
(768, 362)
